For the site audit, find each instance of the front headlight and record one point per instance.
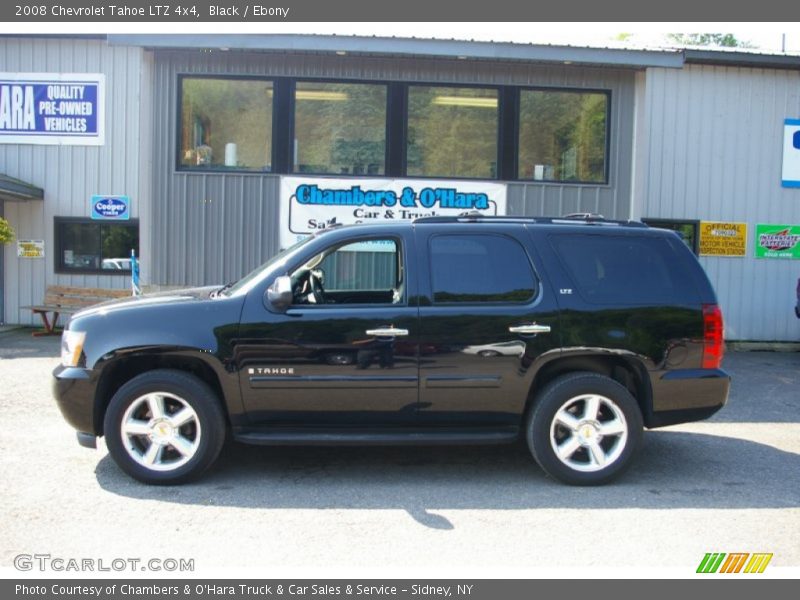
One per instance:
(71, 347)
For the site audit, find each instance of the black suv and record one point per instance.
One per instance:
(571, 334)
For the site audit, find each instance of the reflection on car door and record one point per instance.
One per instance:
(486, 316)
(350, 359)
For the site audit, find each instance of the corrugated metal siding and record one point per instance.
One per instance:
(70, 175)
(2, 274)
(212, 228)
(712, 146)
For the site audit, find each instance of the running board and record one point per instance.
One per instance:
(362, 437)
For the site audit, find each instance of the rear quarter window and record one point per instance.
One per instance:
(625, 269)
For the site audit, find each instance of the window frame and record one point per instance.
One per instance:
(607, 141)
(499, 134)
(535, 275)
(396, 128)
(292, 114)
(176, 150)
(660, 222)
(59, 267)
(641, 236)
(401, 271)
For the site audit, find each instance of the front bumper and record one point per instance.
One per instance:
(74, 392)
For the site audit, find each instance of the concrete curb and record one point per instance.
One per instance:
(746, 346)
(11, 328)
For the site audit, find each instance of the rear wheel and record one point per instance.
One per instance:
(164, 427)
(584, 429)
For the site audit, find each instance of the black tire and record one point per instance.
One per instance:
(591, 436)
(199, 439)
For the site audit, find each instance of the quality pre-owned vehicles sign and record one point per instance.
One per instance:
(52, 108)
(312, 203)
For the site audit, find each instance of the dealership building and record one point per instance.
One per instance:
(206, 154)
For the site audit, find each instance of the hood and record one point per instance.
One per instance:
(155, 299)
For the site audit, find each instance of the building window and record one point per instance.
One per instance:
(452, 132)
(226, 124)
(480, 268)
(562, 136)
(399, 129)
(86, 246)
(686, 229)
(339, 128)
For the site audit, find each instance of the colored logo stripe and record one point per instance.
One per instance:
(758, 563)
(734, 562)
(713, 562)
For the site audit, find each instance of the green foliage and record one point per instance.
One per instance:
(723, 40)
(6, 232)
(565, 131)
(340, 128)
(452, 132)
(119, 241)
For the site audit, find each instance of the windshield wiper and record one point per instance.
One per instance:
(221, 291)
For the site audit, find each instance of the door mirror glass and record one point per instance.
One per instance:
(279, 294)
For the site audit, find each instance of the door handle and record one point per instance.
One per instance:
(387, 332)
(532, 328)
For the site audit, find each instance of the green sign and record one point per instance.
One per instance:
(777, 241)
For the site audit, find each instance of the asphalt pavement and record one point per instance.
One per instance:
(729, 484)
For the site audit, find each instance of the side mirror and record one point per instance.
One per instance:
(279, 295)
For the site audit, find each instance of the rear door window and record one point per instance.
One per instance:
(624, 269)
(480, 268)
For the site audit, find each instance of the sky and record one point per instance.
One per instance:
(765, 36)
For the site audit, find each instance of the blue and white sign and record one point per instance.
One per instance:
(111, 208)
(312, 203)
(52, 108)
(791, 153)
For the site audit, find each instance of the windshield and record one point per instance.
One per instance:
(246, 283)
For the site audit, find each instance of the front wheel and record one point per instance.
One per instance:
(164, 427)
(584, 429)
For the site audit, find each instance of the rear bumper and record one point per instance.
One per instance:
(684, 395)
(74, 389)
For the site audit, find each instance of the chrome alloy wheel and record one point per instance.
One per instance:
(588, 433)
(160, 431)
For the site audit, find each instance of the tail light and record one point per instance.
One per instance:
(712, 336)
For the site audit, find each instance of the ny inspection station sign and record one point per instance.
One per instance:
(723, 239)
(309, 204)
(52, 108)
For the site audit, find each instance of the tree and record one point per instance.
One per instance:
(6, 232)
(724, 40)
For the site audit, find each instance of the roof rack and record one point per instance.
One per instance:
(475, 218)
(585, 216)
(576, 219)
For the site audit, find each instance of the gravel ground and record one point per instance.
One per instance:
(730, 484)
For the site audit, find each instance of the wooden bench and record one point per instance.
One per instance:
(61, 299)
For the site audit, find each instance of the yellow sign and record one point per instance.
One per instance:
(723, 239)
(30, 248)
